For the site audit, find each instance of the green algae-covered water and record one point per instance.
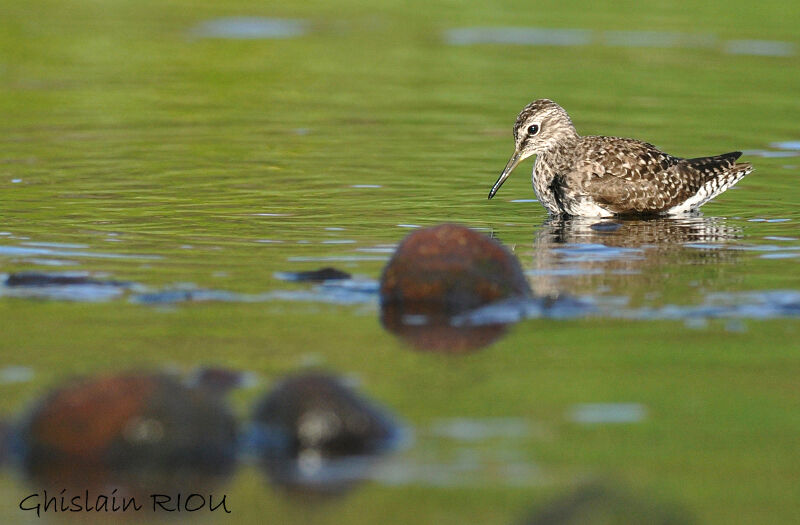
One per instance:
(195, 149)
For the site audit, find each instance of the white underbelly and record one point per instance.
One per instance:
(588, 209)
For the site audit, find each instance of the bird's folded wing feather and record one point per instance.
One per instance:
(626, 175)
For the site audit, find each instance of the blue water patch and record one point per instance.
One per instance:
(54, 245)
(771, 48)
(593, 252)
(530, 36)
(250, 28)
(793, 145)
(769, 154)
(517, 309)
(49, 262)
(538, 36)
(378, 249)
(461, 452)
(657, 39)
(607, 413)
(337, 258)
(61, 252)
(15, 374)
(194, 296)
(476, 429)
(342, 292)
(753, 305)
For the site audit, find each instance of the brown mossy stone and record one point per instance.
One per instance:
(452, 266)
(139, 431)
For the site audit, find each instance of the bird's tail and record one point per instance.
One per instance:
(718, 165)
(716, 174)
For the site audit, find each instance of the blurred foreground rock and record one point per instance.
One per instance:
(318, 436)
(140, 433)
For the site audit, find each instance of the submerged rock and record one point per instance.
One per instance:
(140, 432)
(316, 436)
(56, 279)
(451, 266)
(599, 504)
(323, 274)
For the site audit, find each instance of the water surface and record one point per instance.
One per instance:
(198, 151)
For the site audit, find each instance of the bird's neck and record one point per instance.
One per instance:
(569, 137)
(561, 149)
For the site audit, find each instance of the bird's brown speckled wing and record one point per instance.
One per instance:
(630, 176)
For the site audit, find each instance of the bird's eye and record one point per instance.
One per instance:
(533, 130)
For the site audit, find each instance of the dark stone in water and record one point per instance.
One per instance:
(317, 438)
(451, 266)
(55, 279)
(323, 274)
(141, 432)
(598, 504)
(425, 328)
(316, 412)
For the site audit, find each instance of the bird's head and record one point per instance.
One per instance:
(540, 126)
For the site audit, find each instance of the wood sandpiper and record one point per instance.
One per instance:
(605, 176)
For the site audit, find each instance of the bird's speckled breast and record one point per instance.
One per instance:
(542, 179)
(555, 194)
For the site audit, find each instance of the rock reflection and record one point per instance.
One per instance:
(134, 433)
(317, 437)
(425, 327)
(582, 248)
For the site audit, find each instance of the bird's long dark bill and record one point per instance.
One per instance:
(512, 163)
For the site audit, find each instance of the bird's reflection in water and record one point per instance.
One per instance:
(584, 255)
